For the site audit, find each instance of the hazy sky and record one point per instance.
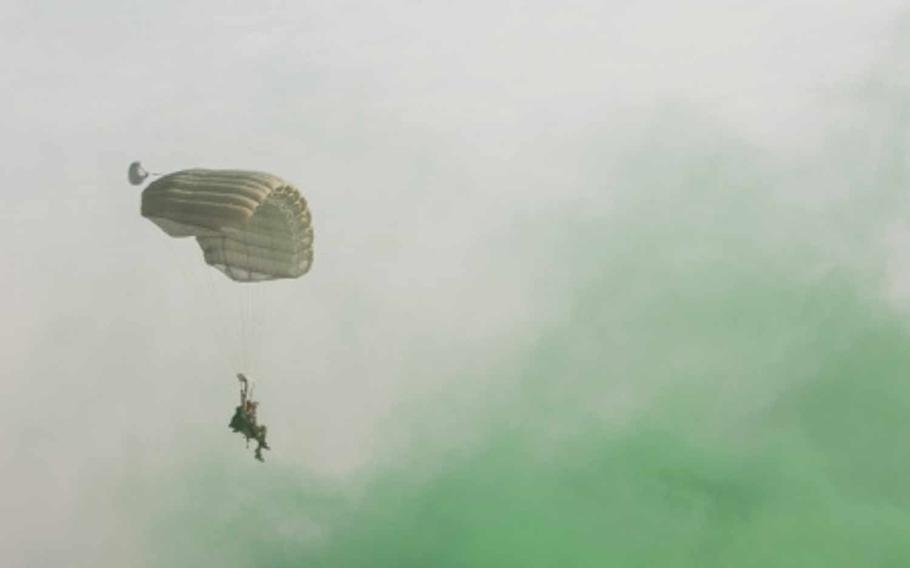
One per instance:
(595, 283)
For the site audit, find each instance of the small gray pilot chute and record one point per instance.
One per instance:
(137, 173)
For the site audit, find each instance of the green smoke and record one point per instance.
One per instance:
(719, 381)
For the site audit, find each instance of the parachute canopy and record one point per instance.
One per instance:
(251, 226)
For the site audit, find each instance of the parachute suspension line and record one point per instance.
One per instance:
(221, 320)
(217, 317)
(253, 293)
(239, 327)
(244, 308)
(245, 326)
(251, 314)
(203, 304)
(245, 303)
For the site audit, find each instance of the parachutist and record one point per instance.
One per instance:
(252, 226)
(245, 420)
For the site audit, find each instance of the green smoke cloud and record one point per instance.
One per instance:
(719, 381)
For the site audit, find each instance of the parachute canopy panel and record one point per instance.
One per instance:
(252, 226)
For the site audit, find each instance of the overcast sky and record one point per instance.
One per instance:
(461, 161)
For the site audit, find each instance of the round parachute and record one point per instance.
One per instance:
(251, 226)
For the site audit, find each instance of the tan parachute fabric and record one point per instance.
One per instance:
(252, 226)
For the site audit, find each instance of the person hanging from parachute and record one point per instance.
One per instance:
(252, 226)
(245, 420)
